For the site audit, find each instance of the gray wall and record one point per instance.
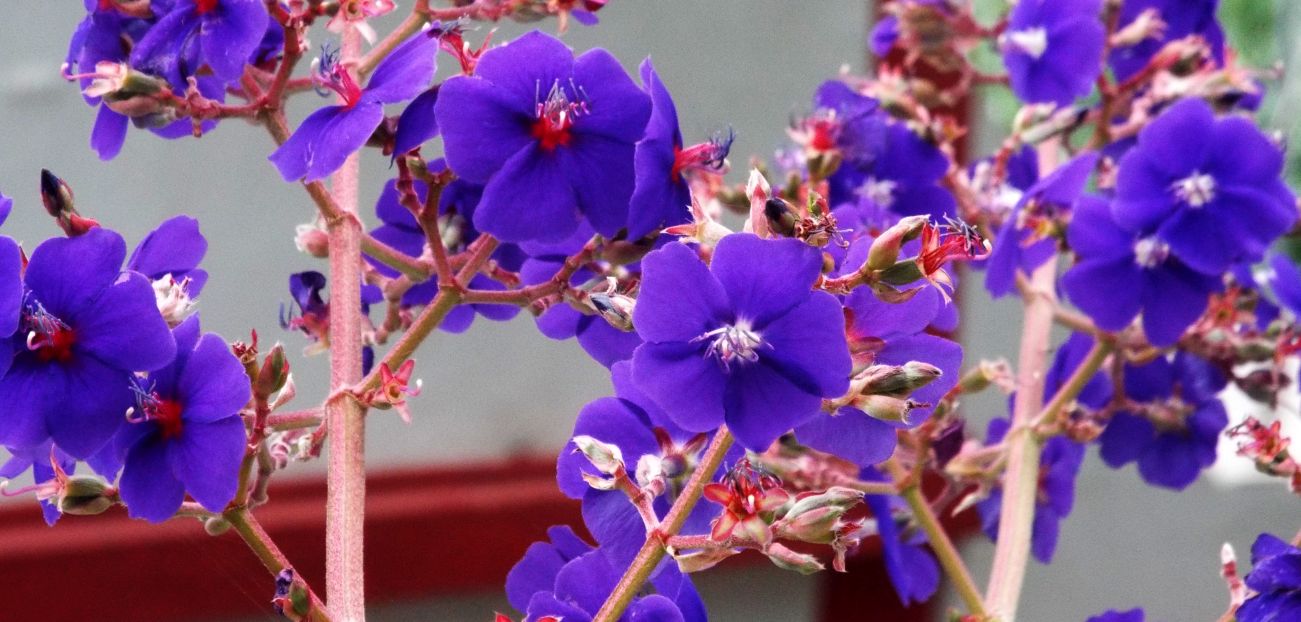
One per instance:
(504, 388)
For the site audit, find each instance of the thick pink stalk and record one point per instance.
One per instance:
(345, 418)
(1021, 481)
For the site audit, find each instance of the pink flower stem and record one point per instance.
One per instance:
(1020, 485)
(345, 418)
(652, 551)
(266, 550)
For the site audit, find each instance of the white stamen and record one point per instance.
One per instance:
(1032, 41)
(173, 301)
(879, 191)
(1150, 252)
(1196, 190)
(737, 341)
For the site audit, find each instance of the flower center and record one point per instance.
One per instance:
(1150, 252)
(556, 115)
(332, 75)
(878, 191)
(1196, 190)
(1032, 41)
(710, 157)
(733, 342)
(205, 6)
(47, 336)
(150, 407)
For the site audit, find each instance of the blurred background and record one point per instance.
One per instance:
(502, 391)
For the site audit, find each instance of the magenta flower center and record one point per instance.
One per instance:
(150, 407)
(335, 77)
(710, 157)
(555, 116)
(48, 337)
(205, 6)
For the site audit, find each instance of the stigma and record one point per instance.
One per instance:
(709, 157)
(1196, 190)
(732, 343)
(556, 113)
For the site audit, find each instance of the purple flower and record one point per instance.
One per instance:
(328, 136)
(85, 328)
(602, 341)
(1053, 49)
(1119, 273)
(912, 569)
(221, 34)
(173, 251)
(401, 231)
(1209, 189)
(1173, 429)
(103, 36)
(1058, 466)
(1026, 240)
(569, 579)
(185, 433)
(844, 121)
(1180, 18)
(1133, 615)
(744, 341)
(662, 196)
(1276, 578)
(417, 123)
(42, 460)
(1284, 280)
(885, 334)
(642, 432)
(550, 136)
(904, 177)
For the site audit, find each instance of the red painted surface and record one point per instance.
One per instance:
(429, 531)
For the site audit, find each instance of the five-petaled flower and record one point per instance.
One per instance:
(744, 341)
(549, 135)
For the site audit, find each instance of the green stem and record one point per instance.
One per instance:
(943, 547)
(652, 551)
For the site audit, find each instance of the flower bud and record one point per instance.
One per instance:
(884, 251)
(56, 195)
(273, 374)
(885, 408)
(650, 468)
(902, 273)
(605, 457)
(616, 309)
(790, 560)
(899, 381)
(84, 495)
(781, 217)
(817, 525)
(216, 525)
(310, 239)
(836, 497)
(823, 165)
(703, 560)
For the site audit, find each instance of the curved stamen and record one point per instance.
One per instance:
(733, 342)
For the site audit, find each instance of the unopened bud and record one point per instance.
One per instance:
(605, 457)
(899, 381)
(885, 408)
(273, 374)
(616, 309)
(703, 560)
(781, 217)
(650, 468)
(823, 165)
(56, 195)
(884, 251)
(902, 273)
(790, 560)
(817, 525)
(310, 239)
(216, 525)
(84, 495)
(836, 496)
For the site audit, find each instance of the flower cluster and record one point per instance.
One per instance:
(107, 364)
